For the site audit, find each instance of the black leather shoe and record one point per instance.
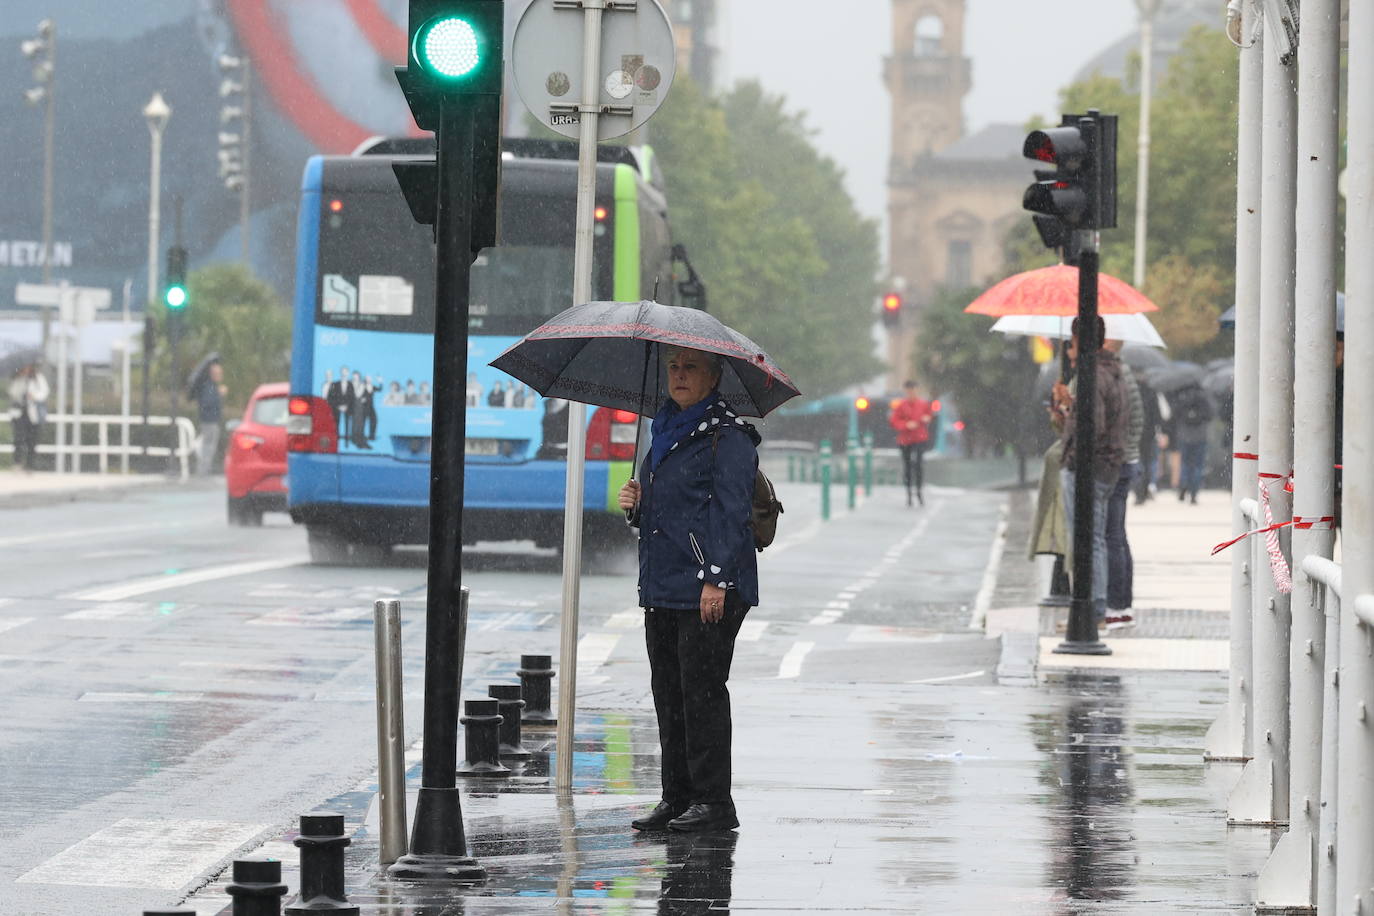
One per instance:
(703, 817)
(658, 818)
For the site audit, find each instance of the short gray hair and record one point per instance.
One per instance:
(714, 360)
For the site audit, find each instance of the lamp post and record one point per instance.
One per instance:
(157, 112)
(43, 52)
(1148, 10)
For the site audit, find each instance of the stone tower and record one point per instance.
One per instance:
(927, 76)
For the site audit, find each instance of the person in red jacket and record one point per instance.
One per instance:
(911, 419)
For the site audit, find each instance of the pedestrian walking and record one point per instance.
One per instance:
(28, 409)
(1120, 563)
(1111, 414)
(209, 395)
(911, 417)
(1192, 414)
(1149, 441)
(698, 576)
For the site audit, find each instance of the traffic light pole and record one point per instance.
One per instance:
(438, 846)
(1082, 637)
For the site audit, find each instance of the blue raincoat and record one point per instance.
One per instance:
(694, 515)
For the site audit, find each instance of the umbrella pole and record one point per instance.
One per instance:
(643, 389)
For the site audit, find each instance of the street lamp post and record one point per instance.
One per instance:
(43, 52)
(157, 112)
(1148, 10)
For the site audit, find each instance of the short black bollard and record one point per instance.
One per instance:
(322, 843)
(257, 889)
(481, 724)
(536, 679)
(510, 701)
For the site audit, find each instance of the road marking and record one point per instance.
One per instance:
(160, 854)
(825, 617)
(152, 696)
(892, 634)
(593, 650)
(949, 677)
(11, 623)
(84, 533)
(792, 662)
(107, 611)
(629, 619)
(983, 600)
(310, 616)
(751, 630)
(177, 580)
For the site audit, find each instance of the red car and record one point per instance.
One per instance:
(255, 461)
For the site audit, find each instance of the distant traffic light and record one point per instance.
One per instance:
(1079, 193)
(174, 292)
(892, 309)
(861, 403)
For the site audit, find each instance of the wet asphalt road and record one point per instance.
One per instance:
(165, 676)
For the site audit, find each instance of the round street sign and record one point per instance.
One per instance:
(638, 61)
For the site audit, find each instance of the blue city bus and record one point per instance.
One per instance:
(362, 348)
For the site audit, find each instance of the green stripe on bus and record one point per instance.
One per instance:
(616, 474)
(626, 287)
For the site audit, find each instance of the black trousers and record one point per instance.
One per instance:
(689, 664)
(913, 464)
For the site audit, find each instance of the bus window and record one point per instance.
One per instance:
(376, 265)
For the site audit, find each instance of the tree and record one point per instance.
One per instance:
(988, 376)
(236, 315)
(786, 258)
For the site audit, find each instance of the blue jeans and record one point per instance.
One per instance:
(1101, 496)
(1120, 567)
(1194, 466)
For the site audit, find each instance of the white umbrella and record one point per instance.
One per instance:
(1131, 329)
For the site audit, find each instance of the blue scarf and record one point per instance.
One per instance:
(673, 424)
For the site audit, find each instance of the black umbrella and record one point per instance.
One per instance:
(1142, 358)
(1175, 376)
(1221, 379)
(600, 352)
(19, 357)
(193, 379)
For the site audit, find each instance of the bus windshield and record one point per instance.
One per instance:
(366, 283)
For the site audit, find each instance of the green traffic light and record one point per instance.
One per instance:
(176, 297)
(448, 47)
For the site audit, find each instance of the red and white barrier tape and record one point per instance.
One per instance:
(1278, 563)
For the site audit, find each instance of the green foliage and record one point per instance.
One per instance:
(990, 376)
(232, 313)
(765, 217)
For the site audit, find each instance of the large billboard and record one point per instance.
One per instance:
(322, 82)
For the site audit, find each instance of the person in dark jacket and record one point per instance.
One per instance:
(698, 576)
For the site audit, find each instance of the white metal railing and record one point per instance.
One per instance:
(69, 452)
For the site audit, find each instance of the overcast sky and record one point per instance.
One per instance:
(830, 65)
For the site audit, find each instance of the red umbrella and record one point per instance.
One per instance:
(1054, 291)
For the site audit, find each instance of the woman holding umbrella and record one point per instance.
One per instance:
(698, 576)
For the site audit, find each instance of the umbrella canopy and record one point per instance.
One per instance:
(1054, 291)
(1131, 329)
(1141, 359)
(1228, 317)
(195, 375)
(16, 358)
(1175, 376)
(600, 353)
(1220, 380)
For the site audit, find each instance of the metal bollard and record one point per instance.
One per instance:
(825, 480)
(851, 449)
(868, 464)
(322, 843)
(510, 700)
(256, 887)
(536, 685)
(391, 768)
(482, 740)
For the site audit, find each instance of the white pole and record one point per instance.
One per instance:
(577, 412)
(1355, 779)
(124, 394)
(1230, 737)
(1263, 788)
(64, 311)
(1288, 878)
(155, 126)
(1148, 9)
(78, 370)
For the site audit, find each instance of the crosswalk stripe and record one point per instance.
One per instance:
(593, 650)
(11, 623)
(176, 580)
(792, 662)
(751, 630)
(107, 611)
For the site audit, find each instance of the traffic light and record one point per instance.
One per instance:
(892, 309)
(861, 404)
(1079, 193)
(174, 292)
(455, 54)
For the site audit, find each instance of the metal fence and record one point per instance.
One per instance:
(113, 441)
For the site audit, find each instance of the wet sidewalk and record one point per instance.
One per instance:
(19, 487)
(1080, 790)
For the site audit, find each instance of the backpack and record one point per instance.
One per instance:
(765, 507)
(1195, 411)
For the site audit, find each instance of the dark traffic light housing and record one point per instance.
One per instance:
(174, 291)
(1079, 193)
